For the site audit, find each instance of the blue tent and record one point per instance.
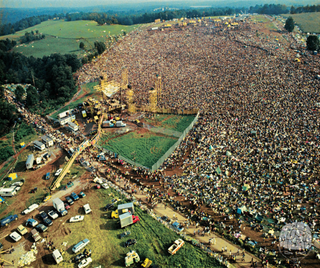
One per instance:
(1, 200)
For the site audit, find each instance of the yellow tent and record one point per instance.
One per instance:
(12, 176)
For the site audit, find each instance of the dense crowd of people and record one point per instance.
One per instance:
(255, 148)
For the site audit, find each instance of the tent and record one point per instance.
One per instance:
(242, 209)
(12, 176)
(1, 200)
(245, 187)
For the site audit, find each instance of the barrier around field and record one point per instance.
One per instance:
(170, 150)
(174, 146)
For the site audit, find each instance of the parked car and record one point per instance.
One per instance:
(81, 194)
(31, 223)
(22, 230)
(105, 186)
(69, 200)
(58, 172)
(74, 196)
(84, 262)
(41, 227)
(53, 215)
(67, 206)
(122, 235)
(47, 222)
(76, 218)
(87, 209)
(15, 236)
(130, 242)
(43, 215)
(109, 206)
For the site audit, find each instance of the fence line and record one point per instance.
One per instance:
(168, 152)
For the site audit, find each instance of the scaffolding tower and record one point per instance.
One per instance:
(153, 100)
(130, 100)
(158, 87)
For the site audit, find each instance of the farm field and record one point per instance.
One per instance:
(308, 22)
(153, 239)
(144, 148)
(64, 37)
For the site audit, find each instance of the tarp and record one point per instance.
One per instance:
(1, 199)
(12, 176)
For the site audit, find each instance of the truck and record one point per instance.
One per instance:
(175, 246)
(59, 206)
(8, 192)
(39, 145)
(120, 124)
(30, 209)
(127, 219)
(5, 221)
(131, 257)
(57, 256)
(29, 162)
(35, 235)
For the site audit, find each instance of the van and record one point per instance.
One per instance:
(80, 245)
(5, 221)
(57, 256)
(87, 208)
(8, 192)
(30, 209)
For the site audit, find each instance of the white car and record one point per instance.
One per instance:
(84, 262)
(76, 218)
(15, 236)
(58, 172)
(87, 208)
(105, 186)
(53, 215)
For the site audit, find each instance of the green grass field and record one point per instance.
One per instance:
(144, 149)
(308, 22)
(64, 37)
(153, 239)
(88, 88)
(175, 122)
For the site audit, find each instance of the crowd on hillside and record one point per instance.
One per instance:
(256, 144)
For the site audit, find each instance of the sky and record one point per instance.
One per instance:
(69, 3)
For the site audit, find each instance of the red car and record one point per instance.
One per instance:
(66, 206)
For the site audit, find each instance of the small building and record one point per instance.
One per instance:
(73, 127)
(39, 145)
(67, 120)
(128, 206)
(29, 162)
(47, 141)
(157, 20)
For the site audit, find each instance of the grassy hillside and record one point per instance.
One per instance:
(64, 37)
(308, 22)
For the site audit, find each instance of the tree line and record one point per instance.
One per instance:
(50, 77)
(305, 9)
(11, 28)
(31, 36)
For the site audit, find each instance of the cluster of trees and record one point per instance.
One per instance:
(8, 114)
(271, 9)
(289, 26)
(51, 78)
(305, 9)
(32, 36)
(11, 28)
(313, 43)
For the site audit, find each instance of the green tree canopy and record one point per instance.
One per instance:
(19, 93)
(289, 26)
(313, 42)
(81, 45)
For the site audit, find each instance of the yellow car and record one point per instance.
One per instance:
(46, 198)
(146, 263)
(115, 214)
